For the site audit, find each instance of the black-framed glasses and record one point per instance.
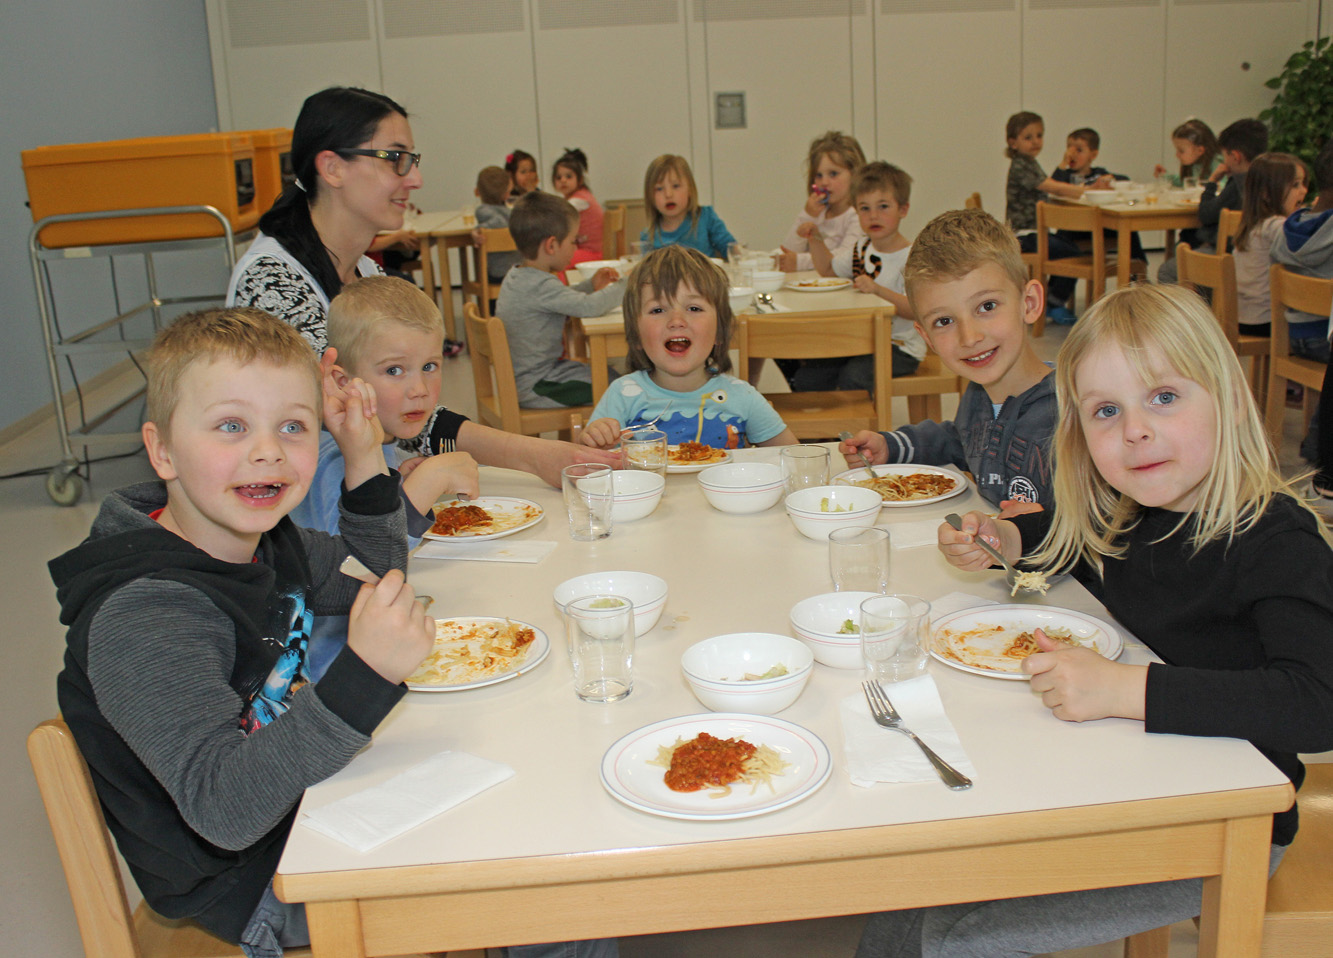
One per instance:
(402, 160)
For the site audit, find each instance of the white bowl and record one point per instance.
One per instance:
(768, 280)
(1136, 195)
(740, 297)
(861, 508)
(816, 622)
(742, 488)
(647, 592)
(589, 269)
(1101, 197)
(636, 493)
(715, 670)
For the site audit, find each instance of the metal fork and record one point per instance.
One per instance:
(886, 716)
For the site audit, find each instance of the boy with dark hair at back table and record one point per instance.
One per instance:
(1240, 143)
(1081, 149)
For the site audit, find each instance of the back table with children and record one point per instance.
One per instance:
(219, 662)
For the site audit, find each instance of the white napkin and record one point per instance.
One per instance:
(372, 816)
(876, 754)
(913, 535)
(521, 550)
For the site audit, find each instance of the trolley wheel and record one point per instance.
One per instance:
(64, 486)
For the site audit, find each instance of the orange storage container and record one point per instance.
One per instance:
(273, 164)
(202, 169)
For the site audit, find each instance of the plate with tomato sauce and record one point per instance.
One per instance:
(629, 775)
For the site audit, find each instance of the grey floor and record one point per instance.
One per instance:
(36, 917)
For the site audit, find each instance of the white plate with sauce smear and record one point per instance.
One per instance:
(510, 513)
(1086, 630)
(817, 285)
(629, 778)
(447, 629)
(679, 468)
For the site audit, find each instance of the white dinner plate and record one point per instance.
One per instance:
(907, 469)
(501, 507)
(538, 649)
(630, 779)
(1085, 629)
(826, 285)
(688, 467)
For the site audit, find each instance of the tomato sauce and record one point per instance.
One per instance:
(708, 761)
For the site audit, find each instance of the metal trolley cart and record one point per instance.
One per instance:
(64, 483)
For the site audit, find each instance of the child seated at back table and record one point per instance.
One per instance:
(1081, 149)
(533, 303)
(1274, 189)
(880, 195)
(974, 302)
(674, 213)
(1196, 150)
(189, 608)
(830, 168)
(569, 176)
(493, 214)
(678, 328)
(1203, 554)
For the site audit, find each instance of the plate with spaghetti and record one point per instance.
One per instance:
(694, 457)
(818, 285)
(474, 651)
(907, 483)
(993, 640)
(487, 517)
(780, 764)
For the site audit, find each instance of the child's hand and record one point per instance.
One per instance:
(556, 454)
(349, 409)
(786, 260)
(817, 201)
(1016, 507)
(476, 237)
(868, 442)
(1104, 182)
(438, 476)
(864, 284)
(1158, 170)
(808, 230)
(1078, 685)
(407, 465)
(389, 629)
(604, 277)
(1067, 162)
(959, 545)
(601, 433)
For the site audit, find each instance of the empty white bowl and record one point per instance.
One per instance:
(816, 622)
(740, 297)
(716, 668)
(742, 488)
(636, 493)
(1101, 197)
(768, 280)
(647, 592)
(589, 269)
(860, 508)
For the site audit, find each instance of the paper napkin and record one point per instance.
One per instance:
(876, 754)
(522, 550)
(914, 534)
(372, 816)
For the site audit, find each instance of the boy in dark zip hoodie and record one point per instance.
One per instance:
(189, 609)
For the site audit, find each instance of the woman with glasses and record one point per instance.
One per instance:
(352, 153)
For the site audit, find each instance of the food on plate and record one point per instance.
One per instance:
(914, 485)
(849, 627)
(819, 283)
(706, 761)
(469, 651)
(693, 453)
(452, 520)
(607, 603)
(1030, 582)
(998, 648)
(824, 506)
(775, 672)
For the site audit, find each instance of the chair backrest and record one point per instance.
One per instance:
(613, 232)
(973, 202)
(86, 851)
(1306, 294)
(1068, 216)
(492, 241)
(492, 370)
(1228, 225)
(1217, 272)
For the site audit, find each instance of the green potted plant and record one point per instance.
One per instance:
(1301, 117)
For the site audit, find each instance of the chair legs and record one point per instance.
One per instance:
(1148, 944)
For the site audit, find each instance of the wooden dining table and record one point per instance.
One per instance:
(1127, 219)
(442, 230)
(550, 855)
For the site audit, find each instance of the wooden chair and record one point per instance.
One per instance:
(1298, 920)
(1217, 272)
(973, 202)
(1092, 267)
(1309, 295)
(1228, 225)
(835, 333)
(497, 393)
(107, 926)
(613, 232)
(481, 288)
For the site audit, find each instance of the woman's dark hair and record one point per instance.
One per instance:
(576, 161)
(332, 119)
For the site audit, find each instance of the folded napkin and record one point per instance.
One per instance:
(913, 535)
(372, 816)
(876, 754)
(521, 550)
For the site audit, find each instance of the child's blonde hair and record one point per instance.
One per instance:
(660, 275)
(1015, 125)
(657, 171)
(1155, 325)
(1270, 176)
(837, 146)
(239, 333)
(881, 177)
(955, 243)
(493, 185)
(367, 305)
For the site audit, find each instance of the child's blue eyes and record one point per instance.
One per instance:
(232, 426)
(1105, 412)
(293, 428)
(1165, 398)
(430, 367)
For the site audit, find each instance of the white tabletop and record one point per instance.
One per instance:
(727, 574)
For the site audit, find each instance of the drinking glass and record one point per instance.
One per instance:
(600, 630)
(859, 559)
(645, 449)
(588, 498)
(894, 633)
(804, 466)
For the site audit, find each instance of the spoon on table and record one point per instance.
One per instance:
(846, 436)
(354, 567)
(765, 299)
(1010, 573)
